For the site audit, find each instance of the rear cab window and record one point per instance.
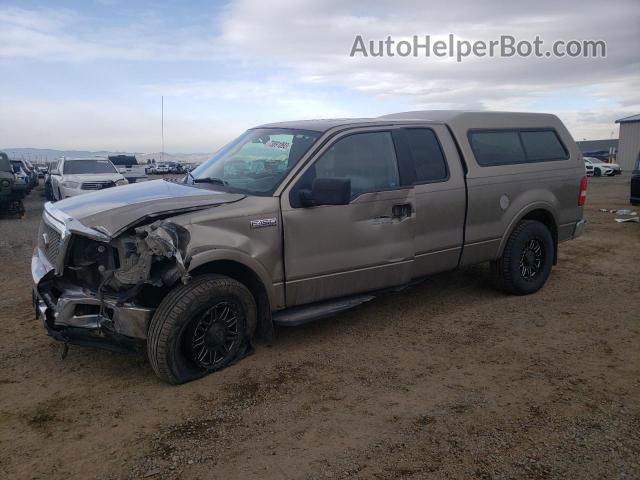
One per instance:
(510, 146)
(426, 154)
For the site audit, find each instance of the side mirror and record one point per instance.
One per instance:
(327, 191)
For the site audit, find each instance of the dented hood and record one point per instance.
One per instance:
(113, 210)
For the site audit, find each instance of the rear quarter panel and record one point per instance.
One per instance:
(501, 195)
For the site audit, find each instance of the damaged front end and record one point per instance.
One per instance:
(94, 290)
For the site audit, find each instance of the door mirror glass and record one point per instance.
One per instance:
(327, 191)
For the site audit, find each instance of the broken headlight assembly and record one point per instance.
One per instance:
(146, 255)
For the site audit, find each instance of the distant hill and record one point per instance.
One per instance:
(42, 155)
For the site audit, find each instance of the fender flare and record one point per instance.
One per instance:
(523, 213)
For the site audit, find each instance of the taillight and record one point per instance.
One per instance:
(583, 192)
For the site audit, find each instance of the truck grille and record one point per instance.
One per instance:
(97, 185)
(51, 241)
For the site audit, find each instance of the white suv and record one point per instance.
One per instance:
(76, 176)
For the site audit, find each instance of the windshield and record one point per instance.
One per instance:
(17, 167)
(123, 160)
(74, 167)
(257, 161)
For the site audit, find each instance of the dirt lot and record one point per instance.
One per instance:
(449, 379)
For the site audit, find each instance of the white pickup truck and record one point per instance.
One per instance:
(128, 166)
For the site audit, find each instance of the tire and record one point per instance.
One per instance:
(48, 194)
(527, 259)
(597, 172)
(188, 330)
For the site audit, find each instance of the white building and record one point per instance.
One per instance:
(629, 144)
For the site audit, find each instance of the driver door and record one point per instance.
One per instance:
(338, 250)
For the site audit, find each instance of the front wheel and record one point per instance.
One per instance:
(527, 259)
(199, 328)
(597, 172)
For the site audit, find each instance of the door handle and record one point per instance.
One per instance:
(402, 210)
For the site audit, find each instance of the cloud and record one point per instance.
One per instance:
(276, 96)
(64, 36)
(103, 125)
(316, 37)
(253, 61)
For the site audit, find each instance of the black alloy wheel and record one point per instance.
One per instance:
(531, 259)
(214, 334)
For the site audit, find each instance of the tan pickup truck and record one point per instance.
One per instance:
(295, 221)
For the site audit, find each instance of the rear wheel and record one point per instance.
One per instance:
(527, 259)
(199, 328)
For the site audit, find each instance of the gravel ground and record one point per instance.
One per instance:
(449, 379)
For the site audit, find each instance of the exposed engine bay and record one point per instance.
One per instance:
(152, 254)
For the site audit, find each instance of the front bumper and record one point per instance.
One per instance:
(76, 315)
(72, 192)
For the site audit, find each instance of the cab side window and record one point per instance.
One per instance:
(367, 159)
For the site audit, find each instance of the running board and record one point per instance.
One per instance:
(292, 317)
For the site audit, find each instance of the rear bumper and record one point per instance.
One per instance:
(634, 191)
(579, 228)
(75, 315)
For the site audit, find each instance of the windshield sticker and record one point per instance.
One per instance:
(278, 144)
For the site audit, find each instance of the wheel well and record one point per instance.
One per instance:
(250, 279)
(545, 217)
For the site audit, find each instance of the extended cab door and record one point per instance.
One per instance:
(437, 177)
(337, 250)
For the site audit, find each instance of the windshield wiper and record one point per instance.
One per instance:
(210, 180)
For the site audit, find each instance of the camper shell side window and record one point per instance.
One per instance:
(508, 146)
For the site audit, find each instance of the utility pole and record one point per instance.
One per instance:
(162, 121)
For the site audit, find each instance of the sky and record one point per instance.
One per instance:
(89, 75)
